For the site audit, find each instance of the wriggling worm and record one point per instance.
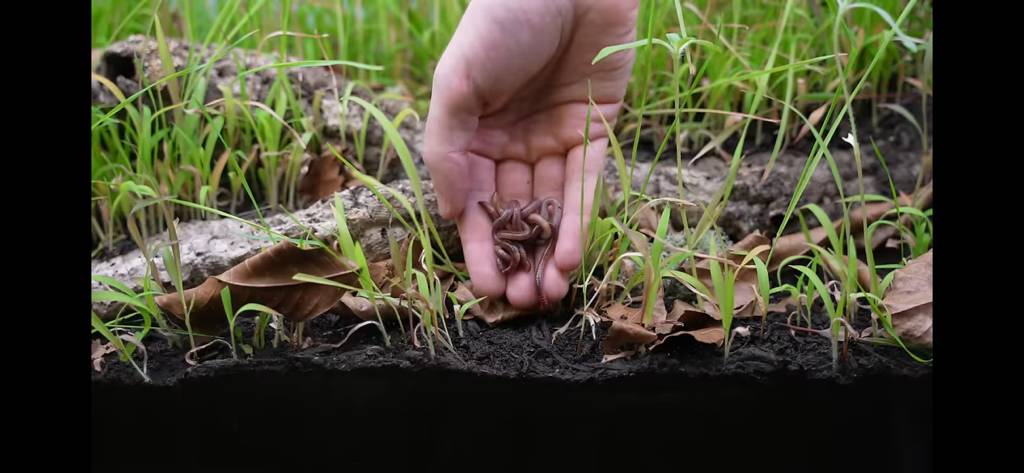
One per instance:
(514, 226)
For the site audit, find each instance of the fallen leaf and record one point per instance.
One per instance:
(322, 179)
(622, 313)
(616, 356)
(863, 272)
(491, 311)
(715, 335)
(366, 309)
(709, 335)
(745, 289)
(812, 120)
(190, 356)
(738, 250)
(697, 323)
(796, 244)
(909, 300)
(267, 279)
(921, 200)
(98, 351)
(626, 333)
(647, 221)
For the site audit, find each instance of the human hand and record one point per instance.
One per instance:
(507, 114)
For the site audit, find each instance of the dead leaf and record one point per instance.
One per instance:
(491, 311)
(812, 120)
(616, 356)
(322, 179)
(98, 351)
(745, 289)
(795, 244)
(647, 221)
(709, 335)
(621, 313)
(190, 356)
(625, 333)
(909, 300)
(921, 200)
(738, 250)
(365, 309)
(863, 272)
(639, 241)
(267, 279)
(697, 323)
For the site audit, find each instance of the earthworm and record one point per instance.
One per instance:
(514, 226)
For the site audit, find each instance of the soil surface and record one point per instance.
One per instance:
(509, 394)
(524, 349)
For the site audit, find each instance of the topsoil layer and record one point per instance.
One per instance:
(509, 394)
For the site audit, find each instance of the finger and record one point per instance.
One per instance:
(475, 231)
(451, 122)
(549, 181)
(515, 182)
(580, 177)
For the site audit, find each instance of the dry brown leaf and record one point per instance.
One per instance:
(616, 356)
(647, 221)
(737, 251)
(715, 335)
(695, 322)
(366, 309)
(622, 313)
(812, 120)
(267, 279)
(626, 333)
(909, 300)
(921, 200)
(491, 311)
(795, 244)
(863, 272)
(745, 289)
(709, 335)
(98, 351)
(864, 276)
(639, 241)
(322, 179)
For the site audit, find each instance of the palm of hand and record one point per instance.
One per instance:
(508, 114)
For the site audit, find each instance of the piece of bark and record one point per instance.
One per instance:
(210, 247)
(759, 206)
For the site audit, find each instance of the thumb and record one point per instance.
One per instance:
(451, 123)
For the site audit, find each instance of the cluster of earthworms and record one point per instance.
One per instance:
(515, 227)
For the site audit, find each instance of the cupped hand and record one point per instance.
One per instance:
(507, 114)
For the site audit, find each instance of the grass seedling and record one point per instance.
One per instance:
(118, 343)
(232, 316)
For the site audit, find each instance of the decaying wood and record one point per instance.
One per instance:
(210, 247)
(756, 205)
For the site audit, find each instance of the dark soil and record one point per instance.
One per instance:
(509, 388)
(523, 349)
